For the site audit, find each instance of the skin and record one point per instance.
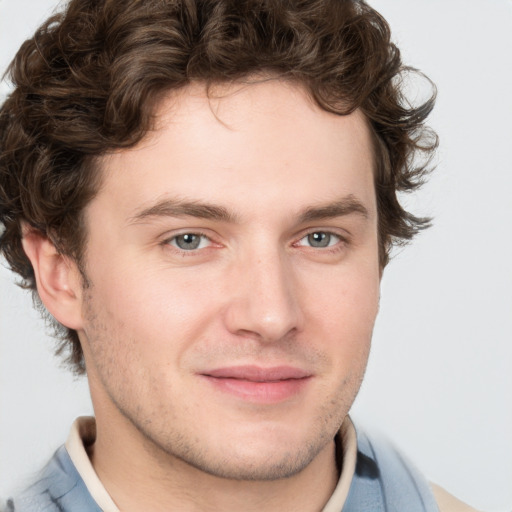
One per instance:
(156, 321)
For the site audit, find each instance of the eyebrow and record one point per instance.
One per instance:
(183, 208)
(345, 206)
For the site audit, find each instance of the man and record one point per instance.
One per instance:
(203, 196)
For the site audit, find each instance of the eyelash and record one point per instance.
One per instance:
(338, 245)
(171, 241)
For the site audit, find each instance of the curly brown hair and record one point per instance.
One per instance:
(89, 80)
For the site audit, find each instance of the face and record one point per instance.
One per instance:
(233, 267)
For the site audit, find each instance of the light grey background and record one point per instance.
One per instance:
(439, 381)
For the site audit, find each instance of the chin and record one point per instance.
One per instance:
(270, 454)
(274, 466)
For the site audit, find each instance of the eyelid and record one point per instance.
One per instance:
(173, 241)
(168, 238)
(342, 237)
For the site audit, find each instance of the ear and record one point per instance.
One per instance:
(59, 282)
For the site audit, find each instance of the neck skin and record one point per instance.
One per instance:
(139, 477)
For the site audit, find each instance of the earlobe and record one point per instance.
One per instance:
(57, 278)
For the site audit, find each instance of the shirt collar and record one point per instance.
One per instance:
(83, 434)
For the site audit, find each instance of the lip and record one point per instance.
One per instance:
(258, 384)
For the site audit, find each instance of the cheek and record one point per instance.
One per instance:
(345, 298)
(160, 308)
(344, 313)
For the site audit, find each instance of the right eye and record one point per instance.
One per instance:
(189, 241)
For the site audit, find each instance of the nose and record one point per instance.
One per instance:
(264, 302)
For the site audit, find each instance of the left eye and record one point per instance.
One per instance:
(190, 241)
(320, 239)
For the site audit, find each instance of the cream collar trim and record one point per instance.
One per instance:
(83, 434)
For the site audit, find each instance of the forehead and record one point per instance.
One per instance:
(240, 141)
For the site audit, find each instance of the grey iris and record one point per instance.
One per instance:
(319, 239)
(188, 241)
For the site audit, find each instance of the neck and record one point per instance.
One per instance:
(138, 477)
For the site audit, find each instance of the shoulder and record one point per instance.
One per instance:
(385, 480)
(57, 488)
(449, 503)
